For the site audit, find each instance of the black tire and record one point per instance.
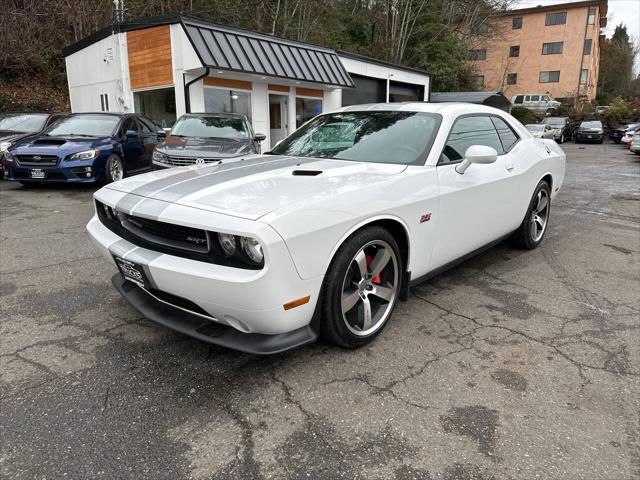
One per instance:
(334, 325)
(108, 175)
(523, 236)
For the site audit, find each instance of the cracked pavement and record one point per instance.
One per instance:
(512, 365)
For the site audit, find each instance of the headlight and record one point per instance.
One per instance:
(4, 146)
(227, 243)
(8, 156)
(86, 155)
(252, 248)
(159, 156)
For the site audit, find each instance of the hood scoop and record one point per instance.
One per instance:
(306, 173)
(49, 141)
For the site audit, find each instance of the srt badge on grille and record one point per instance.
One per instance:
(197, 240)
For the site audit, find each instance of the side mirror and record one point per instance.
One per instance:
(131, 134)
(161, 133)
(260, 137)
(481, 154)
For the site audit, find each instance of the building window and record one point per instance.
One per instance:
(158, 104)
(478, 54)
(104, 102)
(306, 109)
(591, 18)
(549, 77)
(514, 51)
(219, 100)
(516, 23)
(559, 18)
(584, 76)
(512, 78)
(586, 50)
(552, 48)
(478, 80)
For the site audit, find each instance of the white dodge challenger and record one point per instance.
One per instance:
(324, 234)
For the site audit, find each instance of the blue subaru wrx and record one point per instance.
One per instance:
(85, 148)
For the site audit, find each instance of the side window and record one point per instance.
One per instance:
(129, 124)
(519, 99)
(527, 98)
(508, 137)
(468, 131)
(144, 124)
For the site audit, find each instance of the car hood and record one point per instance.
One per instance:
(58, 145)
(205, 147)
(256, 186)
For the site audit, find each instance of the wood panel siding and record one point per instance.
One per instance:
(278, 88)
(227, 83)
(149, 53)
(309, 92)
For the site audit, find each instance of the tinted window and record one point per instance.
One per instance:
(507, 136)
(85, 125)
(211, 127)
(514, 51)
(129, 124)
(535, 98)
(519, 99)
(22, 122)
(146, 128)
(468, 131)
(556, 18)
(381, 137)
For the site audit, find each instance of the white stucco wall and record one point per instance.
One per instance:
(98, 69)
(184, 59)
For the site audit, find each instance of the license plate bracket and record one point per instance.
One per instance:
(37, 173)
(132, 271)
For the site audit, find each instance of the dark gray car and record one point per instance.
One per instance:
(199, 138)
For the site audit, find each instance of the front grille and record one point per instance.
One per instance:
(169, 238)
(178, 301)
(167, 234)
(38, 160)
(185, 161)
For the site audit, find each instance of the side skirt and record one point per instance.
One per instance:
(433, 273)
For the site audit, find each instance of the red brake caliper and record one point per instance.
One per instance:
(376, 279)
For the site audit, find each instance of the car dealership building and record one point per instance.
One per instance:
(166, 66)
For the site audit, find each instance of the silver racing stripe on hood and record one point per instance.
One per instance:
(176, 187)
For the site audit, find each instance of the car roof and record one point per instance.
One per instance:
(212, 114)
(456, 108)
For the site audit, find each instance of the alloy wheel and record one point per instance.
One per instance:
(539, 215)
(116, 171)
(369, 289)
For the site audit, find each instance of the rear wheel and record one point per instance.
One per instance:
(115, 169)
(534, 226)
(362, 288)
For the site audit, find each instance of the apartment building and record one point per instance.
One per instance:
(546, 49)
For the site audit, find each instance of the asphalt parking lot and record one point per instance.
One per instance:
(513, 365)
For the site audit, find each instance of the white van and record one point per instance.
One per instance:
(537, 102)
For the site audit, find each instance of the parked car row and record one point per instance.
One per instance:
(616, 135)
(106, 147)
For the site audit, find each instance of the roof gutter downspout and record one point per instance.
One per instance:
(187, 96)
(584, 39)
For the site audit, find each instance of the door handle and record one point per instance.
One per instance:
(509, 166)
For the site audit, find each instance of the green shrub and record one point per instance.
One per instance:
(524, 115)
(618, 110)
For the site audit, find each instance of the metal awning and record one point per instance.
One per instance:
(250, 52)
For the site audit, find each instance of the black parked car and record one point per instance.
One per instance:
(590, 131)
(85, 148)
(563, 128)
(16, 126)
(199, 138)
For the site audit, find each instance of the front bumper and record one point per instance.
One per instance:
(249, 301)
(68, 172)
(589, 137)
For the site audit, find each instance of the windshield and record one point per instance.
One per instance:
(211, 127)
(591, 125)
(535, 128)
(554, 121)
(379, 137)
(23, 122)
(85, 126)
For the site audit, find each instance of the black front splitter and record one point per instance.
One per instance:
(208, 330)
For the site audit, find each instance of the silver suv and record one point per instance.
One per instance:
(541, 103)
